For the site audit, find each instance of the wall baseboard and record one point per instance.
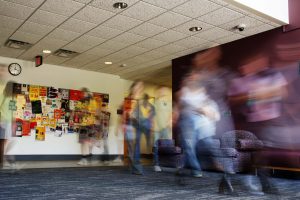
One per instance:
(71, 157)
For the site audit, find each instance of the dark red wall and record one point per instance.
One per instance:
(268, 42)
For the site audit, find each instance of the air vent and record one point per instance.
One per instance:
(65, 53)
(15, 44)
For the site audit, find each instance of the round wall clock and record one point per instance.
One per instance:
(14, 69)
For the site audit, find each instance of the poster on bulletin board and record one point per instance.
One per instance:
(40, 133)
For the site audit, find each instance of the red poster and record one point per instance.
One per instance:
(76, 95)
(57, 113)
(26, 128)
(33, 125)
(43, 91)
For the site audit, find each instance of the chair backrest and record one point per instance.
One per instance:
(229, 139)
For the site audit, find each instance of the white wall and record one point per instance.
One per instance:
(69, 78)
(277, 9)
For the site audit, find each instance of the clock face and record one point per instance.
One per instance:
(14, 69)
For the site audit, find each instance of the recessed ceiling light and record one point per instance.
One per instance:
(108, 63)
(195, 29)
(120, 5)
(46, 51)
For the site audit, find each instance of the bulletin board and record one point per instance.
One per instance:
(42, 110)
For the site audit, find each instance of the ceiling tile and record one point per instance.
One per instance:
(5, 33)
(83, 1)
(143, 11)
(128, 38)
(167, 4)
(147, 29)
(65, 7)
(51, 44)
(229, 38)
(15, 10)
(122, 22)
(29, 3)
(80, 60)
(213, 34)
(9, 52)
(133, 50)
(47, 18)
(150, 43)
(169, 36)
(116, 57)
(113, 45)
(169, 19)
(184, 28)
(108, 5)
(154, 54)
(77, 47)
(99, 51)
(190, 42)
(62, 34)
(196, 8)
(38, 29)
(257, 29)
(220, 16)
(170, 48)
(55, 60)
(248, 21)
(221, 2)
(104, 32)
(9, 22)
(26, 37)
(93, 15)
(238, 9)
(76, 25)
(89, 40)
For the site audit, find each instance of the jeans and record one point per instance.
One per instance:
(195, 130)
(161, 134)
(137, 152)
(129, 137)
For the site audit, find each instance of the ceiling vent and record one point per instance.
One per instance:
(65, 53)
(15, 44)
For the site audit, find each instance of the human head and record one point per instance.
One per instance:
(254, 64)
(136, 89)
(208, 59)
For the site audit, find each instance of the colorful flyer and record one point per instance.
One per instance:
(52, 123)
(57, 113)
(40, 133)
(43, 91)
(38, 119)
(52, 92)
(75, 95)
(26, 128)
(64, 94)
(45, 120)
(17, 88)
(33, 92)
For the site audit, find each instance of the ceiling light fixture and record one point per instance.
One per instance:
(123, 65)
(46, 51)
(120, 5)
(195, 29)
(108, 63)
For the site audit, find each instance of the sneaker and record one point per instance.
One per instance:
(83, 161)
(157, 168)
(196, 174)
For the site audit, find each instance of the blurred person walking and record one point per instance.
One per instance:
(163, 121)
(130, 123)
(259, 93)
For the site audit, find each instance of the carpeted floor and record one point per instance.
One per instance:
(116, 183)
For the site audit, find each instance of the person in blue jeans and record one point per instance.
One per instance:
(197, 121)
(145, 114)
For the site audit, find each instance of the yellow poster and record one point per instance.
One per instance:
(33, 92)
(40, 133)
(45, 121)
(21, 101)
(38, 119)
(52, 123)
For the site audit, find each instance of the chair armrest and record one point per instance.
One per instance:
(244, 144)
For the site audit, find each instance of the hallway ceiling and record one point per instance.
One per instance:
(145, 36)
